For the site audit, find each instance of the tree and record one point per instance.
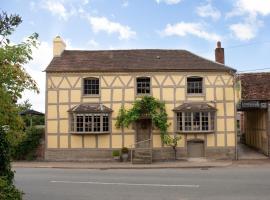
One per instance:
(172, 142)
(13, 81)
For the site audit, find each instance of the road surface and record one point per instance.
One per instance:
(247, 183)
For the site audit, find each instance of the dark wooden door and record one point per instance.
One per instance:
(143, 133)
(195, 149)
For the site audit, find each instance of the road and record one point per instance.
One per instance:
(247, 183)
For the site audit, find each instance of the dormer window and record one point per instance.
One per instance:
(194, 85)
(143, 86)
(91, 86)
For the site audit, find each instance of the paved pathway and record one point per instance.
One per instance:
(245, 152)
(195, 163)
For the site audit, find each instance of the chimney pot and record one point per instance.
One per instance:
(58, 46)
(219, 53)
(219, 44)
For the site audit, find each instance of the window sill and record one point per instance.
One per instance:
(195, 95)
(90, 96)
(89, 133)
(142, 95)
(192, 132)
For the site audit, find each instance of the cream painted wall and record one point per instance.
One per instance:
(64, 91)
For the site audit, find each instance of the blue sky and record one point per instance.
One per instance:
(241, 25)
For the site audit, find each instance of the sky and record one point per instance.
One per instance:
(242, 26)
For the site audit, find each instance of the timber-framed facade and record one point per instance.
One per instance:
(64, 91)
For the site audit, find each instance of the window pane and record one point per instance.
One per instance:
(205, 122)
(188, 121)
(194, 85)
(196, 121)
(91, 86)
(179, 122)
(105, 122)
(88, 123)
(143, 85)
(79, 123)
(96, 123)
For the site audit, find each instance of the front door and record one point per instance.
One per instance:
(195, 148)
(143, 127)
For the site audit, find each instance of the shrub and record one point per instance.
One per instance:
(124, 150)
(5, 167)
(8, 191)
(115, 153)
(26, 148)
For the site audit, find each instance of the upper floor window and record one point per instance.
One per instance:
(194, 85)
(91, 86)
(143, 85)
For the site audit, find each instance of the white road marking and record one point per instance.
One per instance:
(126, 184)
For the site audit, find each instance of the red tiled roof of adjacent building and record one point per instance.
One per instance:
(132, 61)
(255, 86)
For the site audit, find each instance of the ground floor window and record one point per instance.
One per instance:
(201, 121)
(90, 122)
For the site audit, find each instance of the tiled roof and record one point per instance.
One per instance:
(132, 60)
(255, 86)
(194, 107)
(90, 108)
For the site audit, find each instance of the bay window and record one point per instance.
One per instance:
(195, 117)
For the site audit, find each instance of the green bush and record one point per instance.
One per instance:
(27, 147)
(124, 150)
(5, 167)
(115, 153)
(8, 191)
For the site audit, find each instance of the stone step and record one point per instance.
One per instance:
(142, 153)
(142, 156)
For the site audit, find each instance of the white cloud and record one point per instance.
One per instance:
(261, 7)
(170, 2)
(208, 11)
(250, 11)
(93, 43)
(125, 3)
(243, 31)
(56, 8)
(63, 9)
(99, 24)
(246, 30)
(196, 29)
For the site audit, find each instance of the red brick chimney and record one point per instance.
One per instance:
(219, 53)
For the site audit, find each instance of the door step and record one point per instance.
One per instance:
(142, 156)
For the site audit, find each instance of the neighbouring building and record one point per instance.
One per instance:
(255, 107)
(86, 89)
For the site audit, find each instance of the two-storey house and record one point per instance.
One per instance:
(86, 89)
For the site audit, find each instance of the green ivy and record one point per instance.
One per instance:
(147, 106)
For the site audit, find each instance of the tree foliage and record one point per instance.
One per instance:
(13, 81)
(5, 167)
(150, 107)
(13, 77)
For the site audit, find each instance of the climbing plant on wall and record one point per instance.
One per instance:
(148, 106)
